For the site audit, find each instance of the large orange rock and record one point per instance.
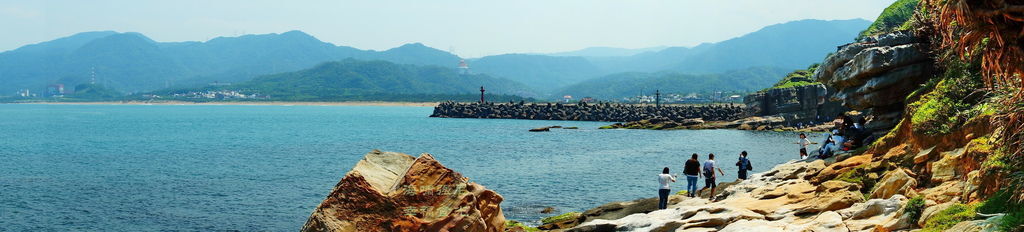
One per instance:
(834, 170)
(389, 191)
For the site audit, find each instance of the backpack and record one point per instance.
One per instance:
(708, 172)
(744, 164)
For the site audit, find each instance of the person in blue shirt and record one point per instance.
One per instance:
(744, 165)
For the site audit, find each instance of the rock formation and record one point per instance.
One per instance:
(585, 112)
(389, 191)
(801, 104)
(876, 75)
(782, 199)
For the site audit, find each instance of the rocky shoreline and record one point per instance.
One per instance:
(769, 123)
(606, 112)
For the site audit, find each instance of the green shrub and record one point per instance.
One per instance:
(949, 217)
(914, 208)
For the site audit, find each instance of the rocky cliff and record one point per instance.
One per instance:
(876, 75)
(389, 191)
(801, 104)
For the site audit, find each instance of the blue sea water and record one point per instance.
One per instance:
(265, 168)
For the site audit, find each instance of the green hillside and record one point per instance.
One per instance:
(617, 86)
(352, 79)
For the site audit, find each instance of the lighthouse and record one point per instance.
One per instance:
(463, 67)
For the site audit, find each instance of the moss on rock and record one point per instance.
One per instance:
(561, 218)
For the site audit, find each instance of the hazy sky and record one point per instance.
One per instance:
(469, 28)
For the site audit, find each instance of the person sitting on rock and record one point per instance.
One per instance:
(709, 175)
(826, 147)
(664, 179)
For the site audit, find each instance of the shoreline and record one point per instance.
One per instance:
(268, 103)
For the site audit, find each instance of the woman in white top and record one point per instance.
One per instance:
(664, 179)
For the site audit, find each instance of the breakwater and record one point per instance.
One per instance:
(606, 112)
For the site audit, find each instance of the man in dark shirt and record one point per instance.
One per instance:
(692, 172)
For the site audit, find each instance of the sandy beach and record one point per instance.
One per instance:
(281, 103)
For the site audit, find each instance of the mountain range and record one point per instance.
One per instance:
(131, 62)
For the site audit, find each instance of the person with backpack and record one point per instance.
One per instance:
(744, 165)
(692, 172)
(708, 171)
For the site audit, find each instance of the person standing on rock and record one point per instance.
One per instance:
(709, 175)
(664, 179)
(804, 142)
(744, 165)
(692, 172)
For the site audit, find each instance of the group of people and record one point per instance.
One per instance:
(846, 135)
(693, 169)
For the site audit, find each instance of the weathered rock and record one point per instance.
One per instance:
(876, 75)
(947, 191)
(873, 213)
(946, 167)
(616, 210)
(838, 168)
(800, 170)
(389, 191)
(541, 129)
(931, 211)
(754, 225)
(969, 226)
(894, 182)
(828, 221)
(873, 207)
(924, 155)
(801, 104)
(831, 195)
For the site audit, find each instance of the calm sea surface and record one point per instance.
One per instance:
(265, 168)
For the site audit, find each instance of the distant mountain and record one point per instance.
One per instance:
(790, 45)
(618, 86)
(606, 51)
(131, 62)
(544, 73)
(787, 46)
(363, 80)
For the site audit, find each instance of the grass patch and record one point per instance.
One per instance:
(1002, 202)
(895, 17)
(512, 224)
(797, 78)
(859, 175)
(949, 217)
(954, 100)
(561, 218)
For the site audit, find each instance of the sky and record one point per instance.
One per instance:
(468, 28)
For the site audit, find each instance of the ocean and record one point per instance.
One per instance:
(266, 167)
